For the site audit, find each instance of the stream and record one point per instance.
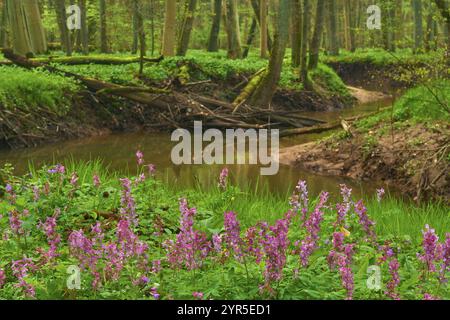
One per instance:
(117, 151)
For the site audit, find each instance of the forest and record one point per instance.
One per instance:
(348, 99)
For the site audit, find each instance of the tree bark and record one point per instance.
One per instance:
(60, 8)
(305, 39)
(103, 27)
(263, 28)
(168, 46)
(84, 32)
(334, 38)
(418, 25)
(296, 32)
(183, 45)
(265, 91)
(3, 26)
(213, 43)
(317, 36)
(18, 25)
(251, 37)
(233, 30)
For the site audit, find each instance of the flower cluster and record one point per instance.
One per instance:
(20, 269)
(140, 158)
(232, 236)
(395, 279)
(128, 206)
(223, 178)
(312, 224)
(299, 199)
(364, 220)
(191, 246)
(53, 238)
(2, 278)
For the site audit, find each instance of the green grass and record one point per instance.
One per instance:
(381, 57)
(31, 89)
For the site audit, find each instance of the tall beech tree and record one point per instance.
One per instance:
(296, 22)
(418, 25)
(263, 28)
(317, 36)
(233, 30)
(103, 27)
(213, 42)
(186, 30)
(304, 49)
(263, 94)
(169, 35)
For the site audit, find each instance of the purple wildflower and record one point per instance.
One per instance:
(380, 194)
(2, 278)
(96, 181)
(430, 245)
(299, 199)
(223, 178)
(395, 279)
(128, 207)
(198, 295)
(151, 170)
(20, 269)
(364, 220)
(140, 157)
(232, 234)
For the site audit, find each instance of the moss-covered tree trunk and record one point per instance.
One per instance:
(263, 94)
(317, 36)
(34, 26)
(213, 42)
(170, 20)
(233, 30)
(186, 30)
(25, 24)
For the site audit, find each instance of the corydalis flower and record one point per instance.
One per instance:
(151, 170)
(15, 223)
(140, 157)
(191, 247)
(96, 181)
(20, 269)
(74, 179)
(395, 279)
(2, 278)
(380, 194)
(232, 234)
(36, 194)
(57, 169)
(198, 295)
(299, 199)
(223, 178)
(430, 245)
(364, 220)
(53, 238)
(344, 263)
(128, 207)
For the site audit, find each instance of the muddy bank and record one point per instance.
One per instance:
(412, 158)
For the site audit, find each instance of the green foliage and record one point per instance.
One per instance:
(35, 89)
(326, 78)
(83, 204)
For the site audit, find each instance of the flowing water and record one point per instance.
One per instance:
(117, 152)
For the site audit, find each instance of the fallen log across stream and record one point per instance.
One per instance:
(178, 107)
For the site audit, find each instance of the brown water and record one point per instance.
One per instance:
(117, 151)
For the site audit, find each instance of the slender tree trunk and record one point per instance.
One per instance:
(170, 20)
(233, 30)
(213, 43)
(305, 39)
(34, 26)
(333, 34)
(134, 46)
(103, 27)
(3, 26)
(84, 32)
(296, 9)
(418, 25)
(183, 45)
(351, 25)
(257, 11)
(445, 13)
(317, 36)
(263, 28)
(61, 17)
(251, 37)
(265, 91)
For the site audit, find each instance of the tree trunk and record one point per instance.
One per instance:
(170, 20)
(233, 30)
(84, 32)
(305, 39)
(251, 37)
(296, 32)
(265, 91)
(20, 35)
(257, 11)
(103, 27)
(35, 27)
(3, 26)
(183, 45)
(418, 25)
(134, 46)
(317, 36)
(445, 13)
(66, 43)
(263, 28)
(333, 33)
(213, 43)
